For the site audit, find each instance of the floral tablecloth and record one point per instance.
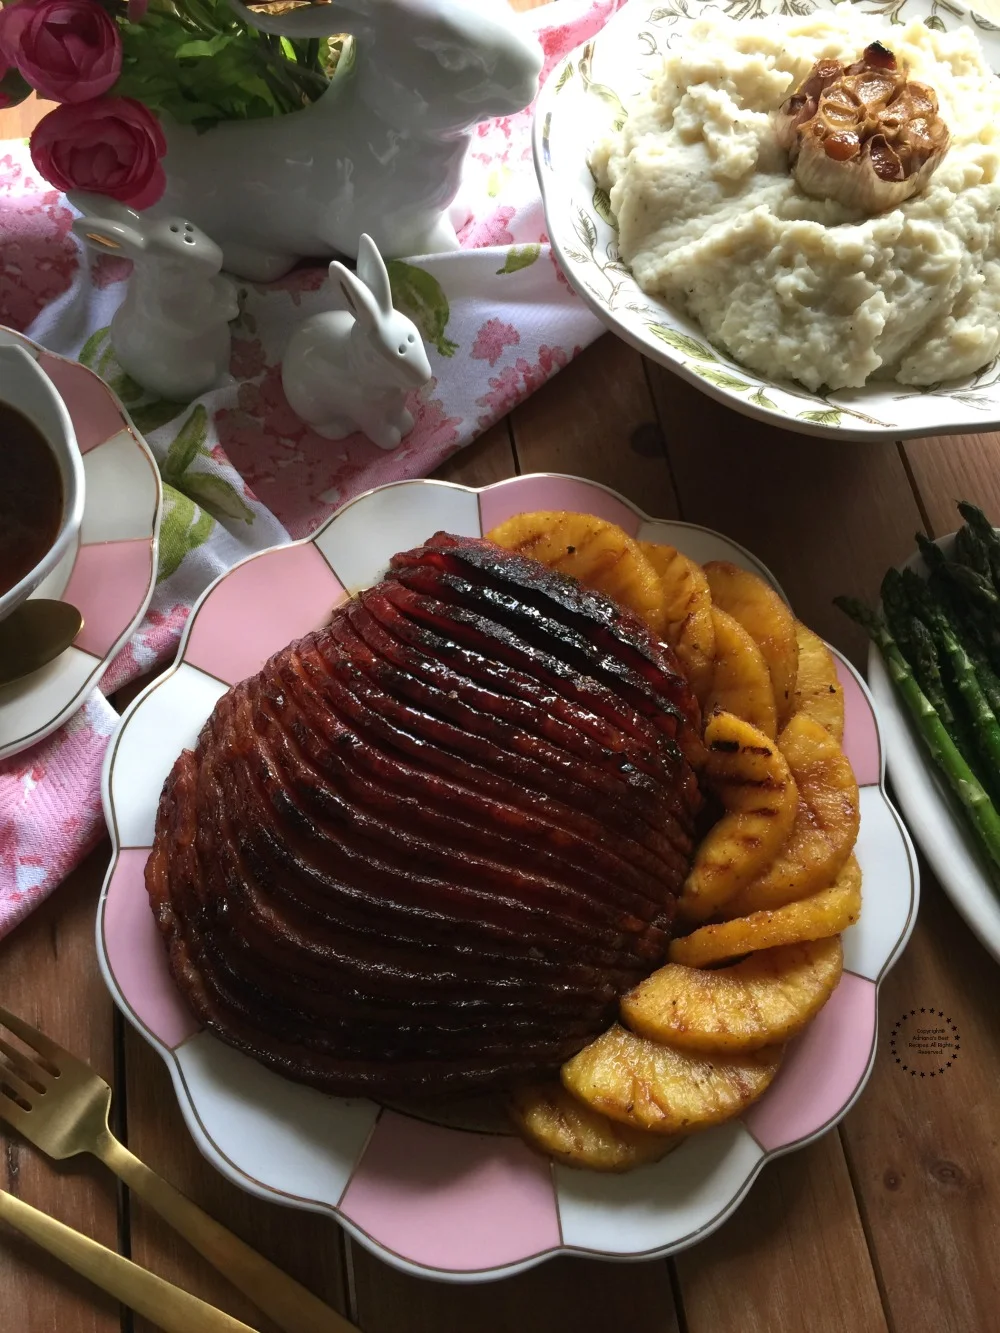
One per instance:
(241, 472)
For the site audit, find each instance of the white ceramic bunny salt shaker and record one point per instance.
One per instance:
(171, 332)
(351, 369)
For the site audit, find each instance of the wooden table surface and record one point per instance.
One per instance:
(888, 1224)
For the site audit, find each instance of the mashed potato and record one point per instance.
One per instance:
(711, 220)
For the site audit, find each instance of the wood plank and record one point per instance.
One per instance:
(923, 1150)
(486, 460)
(560, 1296)
(597, 419)
(306, 1245)
(793, 1256)
(827, 517)
(49, 976)
(926, 1147)
(952, 468)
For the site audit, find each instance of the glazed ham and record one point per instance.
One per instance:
(427, 847)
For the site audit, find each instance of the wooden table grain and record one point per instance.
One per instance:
(888, 1224)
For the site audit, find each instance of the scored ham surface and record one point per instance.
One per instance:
(427, 847)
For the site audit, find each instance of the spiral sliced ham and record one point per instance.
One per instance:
(427, 847)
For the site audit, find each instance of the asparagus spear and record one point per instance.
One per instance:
(970, 553)
(978, 629)
(918, 647)
(987, 536)
(943, 750)
(978, 711)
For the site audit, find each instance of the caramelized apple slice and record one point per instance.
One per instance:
(826, 825)
(752, 779)
(741, 682)
(686, 612)
(551, 1119)
(664, 1090)
(818, 691)
(761, 1001)
(768, 621)
(814, 918)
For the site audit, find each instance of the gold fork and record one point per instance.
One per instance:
(61, 1106)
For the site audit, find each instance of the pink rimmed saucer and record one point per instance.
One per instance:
(109, 573)
(462, 1204)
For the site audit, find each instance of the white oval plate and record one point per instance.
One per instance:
(110, 573)
(473, 1202)
(931, 811)
(582, 97)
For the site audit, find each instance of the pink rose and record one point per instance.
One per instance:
(111, 145)
(69, 50)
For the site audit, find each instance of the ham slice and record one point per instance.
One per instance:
(427, 848)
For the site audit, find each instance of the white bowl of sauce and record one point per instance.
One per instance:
(41, 477)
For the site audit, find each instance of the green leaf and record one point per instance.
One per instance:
(127, 389)
(211, 47)
(721, 379)
(182, 528)
(217, 495)
(419, 294)
(680, 342)
(88, 352)
(762, 400)
(602, 207)
(585, 229)
(828, 418)
(933, 21)
(188, 443)
(13, 89)
(151, 416)
(564, 78)
(609, 95)
(518, 257)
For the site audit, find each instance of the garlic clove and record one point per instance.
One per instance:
(864, 135)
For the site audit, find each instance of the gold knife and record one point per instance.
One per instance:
(167, 1306)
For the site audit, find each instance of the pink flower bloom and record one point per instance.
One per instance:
(106, 270)
(111, 145)
(516, 382)
(38, 255)
(491, 231)
(492, 338)
(69, 50)
(247, 360)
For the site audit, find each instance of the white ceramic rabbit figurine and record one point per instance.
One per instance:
(171, 332)
(381, 151)
(351, 369)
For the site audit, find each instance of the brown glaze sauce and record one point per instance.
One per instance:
(31, 497)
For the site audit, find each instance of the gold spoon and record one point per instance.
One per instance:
(34, 634)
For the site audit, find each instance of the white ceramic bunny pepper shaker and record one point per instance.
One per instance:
(171, 332)
(351, 369)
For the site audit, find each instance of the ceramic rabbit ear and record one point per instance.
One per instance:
(356, 296)
(374, 274)
(97, 206)
(106, 234)
(308, 21)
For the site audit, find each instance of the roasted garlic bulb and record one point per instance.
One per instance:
(863, 134)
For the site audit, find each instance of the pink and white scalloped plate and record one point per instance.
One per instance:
(109, 573)
(464, 1204)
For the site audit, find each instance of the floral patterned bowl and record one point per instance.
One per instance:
(581, 100)
(450, 1192)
